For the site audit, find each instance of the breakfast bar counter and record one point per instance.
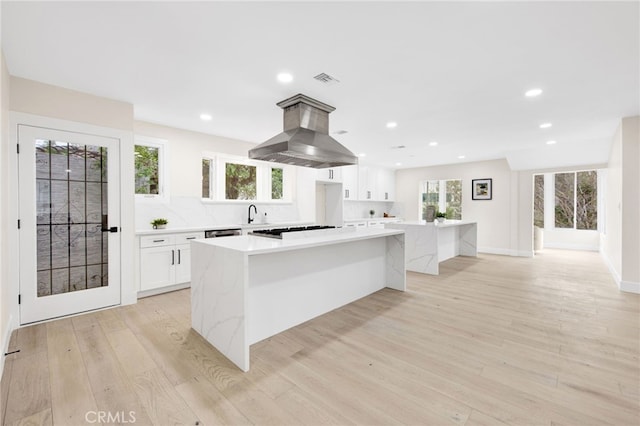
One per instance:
(247, 288)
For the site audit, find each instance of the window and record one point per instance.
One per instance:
(149, 155)
(231, 178)
(567, 200)
(240, 182)
(444, 195)
(277, 180)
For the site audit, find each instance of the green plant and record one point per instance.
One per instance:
(441, 214)
(372, 212)
(159, 221)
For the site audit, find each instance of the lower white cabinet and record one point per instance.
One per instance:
(165, 260)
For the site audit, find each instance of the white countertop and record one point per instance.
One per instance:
(251, 244)
(170, 230)
(447, 223)
(372, 218)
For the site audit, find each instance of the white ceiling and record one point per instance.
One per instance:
(451, 72)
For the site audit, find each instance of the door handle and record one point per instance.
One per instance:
(112, 229)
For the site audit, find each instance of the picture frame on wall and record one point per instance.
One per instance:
(481, 189)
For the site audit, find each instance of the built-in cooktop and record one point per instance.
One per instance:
(277, 232)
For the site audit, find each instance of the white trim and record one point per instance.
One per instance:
(626, 286)
(5, 342)
(505, 252)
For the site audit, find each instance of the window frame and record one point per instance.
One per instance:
(163, 182)
(217, 182)
(442, 195)
(550, 202)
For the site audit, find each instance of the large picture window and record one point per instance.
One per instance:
(576, 198)
(240, 182)
(444, 195)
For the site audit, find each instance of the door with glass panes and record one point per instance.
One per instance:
(69, 223)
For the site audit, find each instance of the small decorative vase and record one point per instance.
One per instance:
(441, 219)
(159, 226)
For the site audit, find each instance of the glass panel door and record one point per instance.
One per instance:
(68, 200)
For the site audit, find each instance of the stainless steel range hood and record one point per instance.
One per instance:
(305, 140)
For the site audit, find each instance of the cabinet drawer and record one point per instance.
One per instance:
(186, 238)
(157, 240)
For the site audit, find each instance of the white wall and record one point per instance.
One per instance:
(621, 239)
(184, 206)
(5, 311)
(493, 216)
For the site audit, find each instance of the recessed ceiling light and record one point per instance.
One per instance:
(545, 125)
(551, 142)
(362, 154)
(433, 143)
(285, 77)
(398, 164)
(460, 157)
(392, 125)
(205, 117)
(533, 93)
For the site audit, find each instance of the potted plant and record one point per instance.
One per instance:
(159, 223)
(441, 216)
(372, 212)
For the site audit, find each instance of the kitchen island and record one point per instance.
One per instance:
(247, 288)
(429, 243)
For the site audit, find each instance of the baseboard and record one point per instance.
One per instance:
(505, 252)
(629, 287)
(562, 246)
(626, 286)
(5, 342)
(161, 290)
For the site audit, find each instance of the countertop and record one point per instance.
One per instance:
(446, 224)
(171, 230)
(251, 244)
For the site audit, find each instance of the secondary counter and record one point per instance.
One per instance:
(429, 243)
(247, 288)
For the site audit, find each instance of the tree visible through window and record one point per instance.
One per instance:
(276, 183)
(240, 182)
(538, 201)
(576, 196)
(147, 169)
(206, 178)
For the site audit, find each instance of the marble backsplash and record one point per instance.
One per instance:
(185, 212)
(360, 209)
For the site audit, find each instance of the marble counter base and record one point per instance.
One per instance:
(239, 299)
(428, 244)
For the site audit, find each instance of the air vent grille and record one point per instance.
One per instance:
(326, 78)
(340, 132)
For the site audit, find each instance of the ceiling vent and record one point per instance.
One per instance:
(398, 147)
(340, 132)
(326, 78)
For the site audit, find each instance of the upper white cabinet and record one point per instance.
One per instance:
(350, 182)
(386, 184)
(333, 174)
(366, 185)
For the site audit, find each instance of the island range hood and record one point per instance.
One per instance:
(305, 140)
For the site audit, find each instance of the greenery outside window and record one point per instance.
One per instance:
(277, 180)
(444, 195)
(240, 182)
(149, 171)
(576, 195)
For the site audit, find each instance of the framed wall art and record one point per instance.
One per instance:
(481, 189)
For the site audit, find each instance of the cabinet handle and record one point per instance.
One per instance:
(330, 174)
(346, 193)
(368, 195)
(191, 238)
(158, 241)
(386, 195)
(173, 257)
(178, 256)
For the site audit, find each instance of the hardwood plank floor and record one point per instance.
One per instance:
(492, 340)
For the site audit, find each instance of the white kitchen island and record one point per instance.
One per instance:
(429, 243)
(247, 288)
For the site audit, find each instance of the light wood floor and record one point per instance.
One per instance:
(491, 341)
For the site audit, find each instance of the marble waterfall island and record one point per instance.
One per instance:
(429, 243)
(247, 288)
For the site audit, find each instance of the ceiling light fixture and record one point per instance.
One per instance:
(392, 125)
(460, 157)
(285, 77)
(533, 93)
(205, 117)
(433, 143)
(362, 154)
(398, 164)
(545, 125)
(551, 142)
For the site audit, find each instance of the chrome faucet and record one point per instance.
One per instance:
(255, 210)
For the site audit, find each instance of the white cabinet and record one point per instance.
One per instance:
(165, 259)
(366, 183)
(386, 184)
(350, 182)
(333, 174)
(356, 224)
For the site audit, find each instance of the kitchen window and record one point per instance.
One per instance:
(576, 200)
(230, 178)
(149, 167)
(444, 195)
